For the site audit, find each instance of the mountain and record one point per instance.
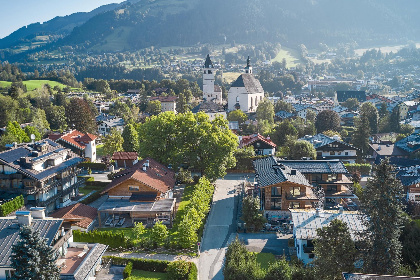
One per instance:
(52, 29)
(144, 23)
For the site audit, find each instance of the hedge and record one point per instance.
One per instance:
(153, 265)
(114, 240)
(93, 165)
(11, 206)
(245, 163)
(363, 168)
(91, 198)
(127, 270)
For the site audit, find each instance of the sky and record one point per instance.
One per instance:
(18, 13)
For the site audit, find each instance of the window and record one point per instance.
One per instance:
(346, 153)
(294, 205)
(417, 198)
(209, 72)
(133, 188)
(332, 153)
(237, 98)
(339, 153)
(332, 188)
(332, 177)
(275, 191)
(295, 191)
(275, 203)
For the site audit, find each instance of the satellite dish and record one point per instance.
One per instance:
(33, 136)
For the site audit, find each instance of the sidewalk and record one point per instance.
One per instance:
(161, 257)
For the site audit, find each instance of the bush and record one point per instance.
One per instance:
(11, 205)
(91, 198)
(114, 240)
(363, 168)
(140, 264)
(184, 177)
(178, 270)
(127, 270)
(193, 275)
(93, 165)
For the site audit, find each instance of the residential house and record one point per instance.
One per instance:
(282, 115)
(385, 149)
(77, 216)
(281, 187)
(143, 193)
(342, 96)
(168, 103)
(82, 144)
(262, 145)
(332, 148)
(125, 159)
(302, 110)
(105, 126)
(211, 109)
(44, 172)
(77, 261)
(330, 175)
(245, 92)
(409, 144)
(307, 221)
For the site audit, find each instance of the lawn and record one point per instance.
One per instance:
(264, 259)
(88, 188)
(147, 275)
(34, 84)
(291, 56)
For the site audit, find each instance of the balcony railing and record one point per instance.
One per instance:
(62, 193)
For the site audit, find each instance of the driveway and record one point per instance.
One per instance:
(274, 243)
(221, 225)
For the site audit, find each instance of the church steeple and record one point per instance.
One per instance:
(248, 68)
(208, 63)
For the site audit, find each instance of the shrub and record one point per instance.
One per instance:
(184, 177)
(127, 270)
(140, 264)
(193, 274)
(91, 198)
(159, 234)
(11, 205)
(93, 165)
(178, 270)
(363, 168)
(112, 239)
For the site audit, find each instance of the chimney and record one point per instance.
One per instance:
(146, 163)
(317, 213)
(38, 212)
(341, 210)
(24, 218)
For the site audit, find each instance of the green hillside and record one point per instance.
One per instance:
(33, 84)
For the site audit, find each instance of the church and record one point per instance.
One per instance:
(246, 92)
(211, 92)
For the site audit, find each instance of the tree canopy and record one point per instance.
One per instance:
(327, 120)
(265, 111)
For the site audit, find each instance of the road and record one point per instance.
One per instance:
(220, 227)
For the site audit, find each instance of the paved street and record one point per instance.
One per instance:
(220, 228)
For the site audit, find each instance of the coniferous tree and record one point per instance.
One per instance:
(381, 203)
(32, 258)
(361, 135)
(370, 111)
(394, 120)
(131, 138)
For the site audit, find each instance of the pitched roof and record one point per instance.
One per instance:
(208, 63)
(125, 156)
(156, 176)
(77, 138)
(306, 222)
(249, 82)
(320, 140)
(268, 173)
(342, 96)
(250, 139)
(410, 143)
(387, 150)
(9, 234)
(332, 166)
(83, 213)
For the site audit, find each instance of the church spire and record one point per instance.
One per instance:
(248, 68)
(248, 62)
(208, 63)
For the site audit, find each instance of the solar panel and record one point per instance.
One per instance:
(13, 155)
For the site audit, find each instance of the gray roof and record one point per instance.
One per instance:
(410, 143)
(12, 158)
(9, 234)
(249, 82)
(94, 257)
(208, 107)
(387, 150)
(268, 173)
(320, 140)
(359, 276)
(306, 222)
(163, 205)
(333, 166)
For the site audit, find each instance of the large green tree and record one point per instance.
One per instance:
(265, 111)
(381, 203)
(113, 142)
(131, 138)
(360, 137)
(238, 116)
(251, 213)
(335, 251)
(279, 270)
(282, 131)
(190, 139)
(351, 103)
(369, 110)
(327, 120)
(32, 258)
(300, 149)
(80, 116)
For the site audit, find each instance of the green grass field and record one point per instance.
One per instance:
(291, 56)
(147, 275)
(34, 84)
(264, 259)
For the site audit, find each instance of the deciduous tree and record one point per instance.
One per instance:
(369, 110)
(131, 138)
(265, 111)
(113, 142)
(251, 213)
(79, 116)
(327, 120)
(238, 116)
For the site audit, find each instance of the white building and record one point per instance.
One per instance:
(246, 92)
(211, 92)
(306, 223)
(168, 103)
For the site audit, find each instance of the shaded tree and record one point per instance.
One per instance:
(265, 111)
(251, 213)
(327, 120)
(238, 116)
(281, 105)
(282, 131)
(381, 203)
(351, 103)
(154, 107)
(113, 142)
(369, 110)
(360, 137)
(279, 270)
(131, 138)
(79, 115)
(300, 149)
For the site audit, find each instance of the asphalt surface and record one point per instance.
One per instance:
(220, 228)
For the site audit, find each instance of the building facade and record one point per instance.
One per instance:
(211, 92)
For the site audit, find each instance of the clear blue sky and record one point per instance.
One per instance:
(18, 13)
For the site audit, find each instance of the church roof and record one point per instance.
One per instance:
(208, 63)
(249, 82)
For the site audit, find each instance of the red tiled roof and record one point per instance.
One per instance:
(248, 140)
(78, 139)
(82, 213)
(156, 176)
(124, 156)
